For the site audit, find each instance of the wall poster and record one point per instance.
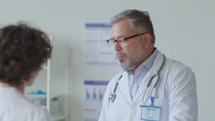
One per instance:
(94, 91)
(97, 51)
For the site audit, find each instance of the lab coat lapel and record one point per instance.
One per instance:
(143, 85)
(124, 88)
(156, 65)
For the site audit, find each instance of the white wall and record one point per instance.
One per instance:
(184, 30)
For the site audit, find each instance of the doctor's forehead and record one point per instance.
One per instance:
(121, 29)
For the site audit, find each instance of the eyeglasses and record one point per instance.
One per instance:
(122, 41)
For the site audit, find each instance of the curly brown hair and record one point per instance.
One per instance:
(23, 50)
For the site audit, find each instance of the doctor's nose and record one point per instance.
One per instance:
(117, 46)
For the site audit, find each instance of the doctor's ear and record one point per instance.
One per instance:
(147, 39)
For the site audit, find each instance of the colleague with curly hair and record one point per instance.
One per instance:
(23, 51)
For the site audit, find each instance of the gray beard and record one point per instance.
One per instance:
(129, 65)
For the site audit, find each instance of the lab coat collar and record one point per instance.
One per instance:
(156, 65)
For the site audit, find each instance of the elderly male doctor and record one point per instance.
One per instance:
(151, 87)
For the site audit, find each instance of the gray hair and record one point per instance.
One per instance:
(139, 20)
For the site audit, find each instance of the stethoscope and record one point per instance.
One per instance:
(112, 96)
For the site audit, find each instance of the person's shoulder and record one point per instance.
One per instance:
(115, 78)
(17, 106)
(32, 111)
(37, 113)
(174, 65)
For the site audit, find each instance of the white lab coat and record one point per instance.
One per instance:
(175, 94)
(15, 107)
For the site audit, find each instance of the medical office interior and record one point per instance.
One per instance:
(184, 29)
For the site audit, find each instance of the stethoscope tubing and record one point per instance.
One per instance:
(157, 74)
(112, 96)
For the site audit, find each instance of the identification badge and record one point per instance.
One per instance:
(150, 113)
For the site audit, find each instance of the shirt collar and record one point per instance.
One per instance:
(147, 64)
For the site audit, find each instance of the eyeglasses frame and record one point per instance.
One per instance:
(124, 39)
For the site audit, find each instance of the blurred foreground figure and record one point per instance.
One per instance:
(23, 51)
